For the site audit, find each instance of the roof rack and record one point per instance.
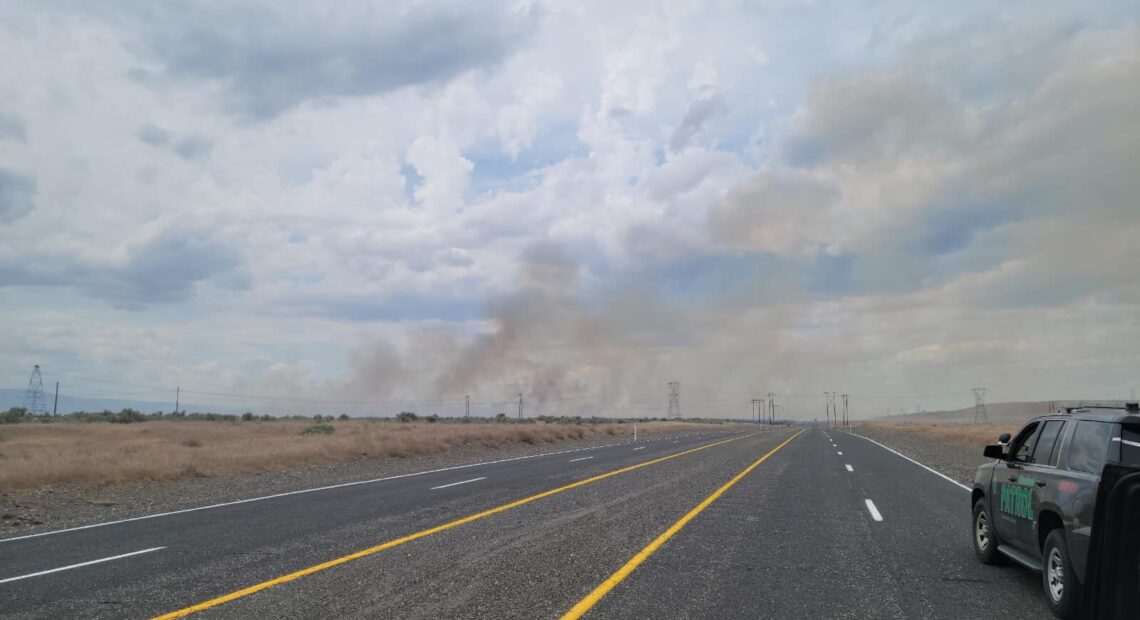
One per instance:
(1103, 404)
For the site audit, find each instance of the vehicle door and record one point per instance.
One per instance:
(1011, 499)
(1044, 481)
(1084, 458)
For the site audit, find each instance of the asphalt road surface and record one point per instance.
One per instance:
(776, 524)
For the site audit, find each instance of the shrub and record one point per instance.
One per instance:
(247, 416)
(343, 416)
(319, 429)
(407, 416)
(126, 416)
(13, 415)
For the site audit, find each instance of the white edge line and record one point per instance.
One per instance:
(874, 511)
(641, 448)
(584, 458)
(300, 491)
(444, 486)
(849, 468)
(896, 452)
(81, 564)
(313, 490)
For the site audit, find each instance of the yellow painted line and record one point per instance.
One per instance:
(592, 598)
(214, 602)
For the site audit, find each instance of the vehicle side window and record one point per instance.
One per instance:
(1088, 447)
(1130, 445)
(1022, 445)
(1046, 451)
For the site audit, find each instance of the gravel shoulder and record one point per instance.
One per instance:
(958, 461)
(29, 512)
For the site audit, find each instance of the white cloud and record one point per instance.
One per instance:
(446, 174)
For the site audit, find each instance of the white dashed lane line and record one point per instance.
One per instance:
(444, 486)
(584, 458)
(849, 468)
(874, 511)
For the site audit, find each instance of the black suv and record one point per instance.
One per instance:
(1035, 503)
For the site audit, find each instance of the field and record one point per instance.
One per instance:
(963, 434)
(94, 454)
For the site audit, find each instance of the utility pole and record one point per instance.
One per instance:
(467, 412)
(520, 405)
(827, 402)
(177, 394)
(980, 405)
(771, 408)
(845, 423)
(55, 404)
(756, 403)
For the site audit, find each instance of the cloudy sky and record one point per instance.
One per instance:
(327, 204)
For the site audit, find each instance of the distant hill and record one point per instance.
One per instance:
(1016, 412)
(12, 397)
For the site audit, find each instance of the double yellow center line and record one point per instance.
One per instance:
(596, 595)
(214, 602)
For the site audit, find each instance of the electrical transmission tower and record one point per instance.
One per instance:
(845, 411)
(674, 400)
(980, 405)
(829, 408)
(34, 401)
(771, 408)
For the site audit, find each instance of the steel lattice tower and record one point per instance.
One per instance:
(980, 405)
(674, 400)
(34, 401)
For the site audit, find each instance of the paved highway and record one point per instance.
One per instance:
(777, 524)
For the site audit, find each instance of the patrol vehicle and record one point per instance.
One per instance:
(1035, 503)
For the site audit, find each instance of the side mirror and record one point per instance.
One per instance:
(995, 451)
(1003, 438)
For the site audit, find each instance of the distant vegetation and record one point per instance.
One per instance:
(963, 434)
(127, 416)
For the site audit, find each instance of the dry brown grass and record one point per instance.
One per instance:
(970, 435)
(93, 454)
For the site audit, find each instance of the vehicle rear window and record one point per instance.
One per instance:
(1130, 445)
(1089, 446)
(1046, 450)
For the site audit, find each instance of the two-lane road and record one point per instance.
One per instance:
(773, 524)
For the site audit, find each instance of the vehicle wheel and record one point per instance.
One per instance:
(1062, 589)
(985, 545)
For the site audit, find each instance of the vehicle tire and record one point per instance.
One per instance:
(1062, 590)
(985, 544)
